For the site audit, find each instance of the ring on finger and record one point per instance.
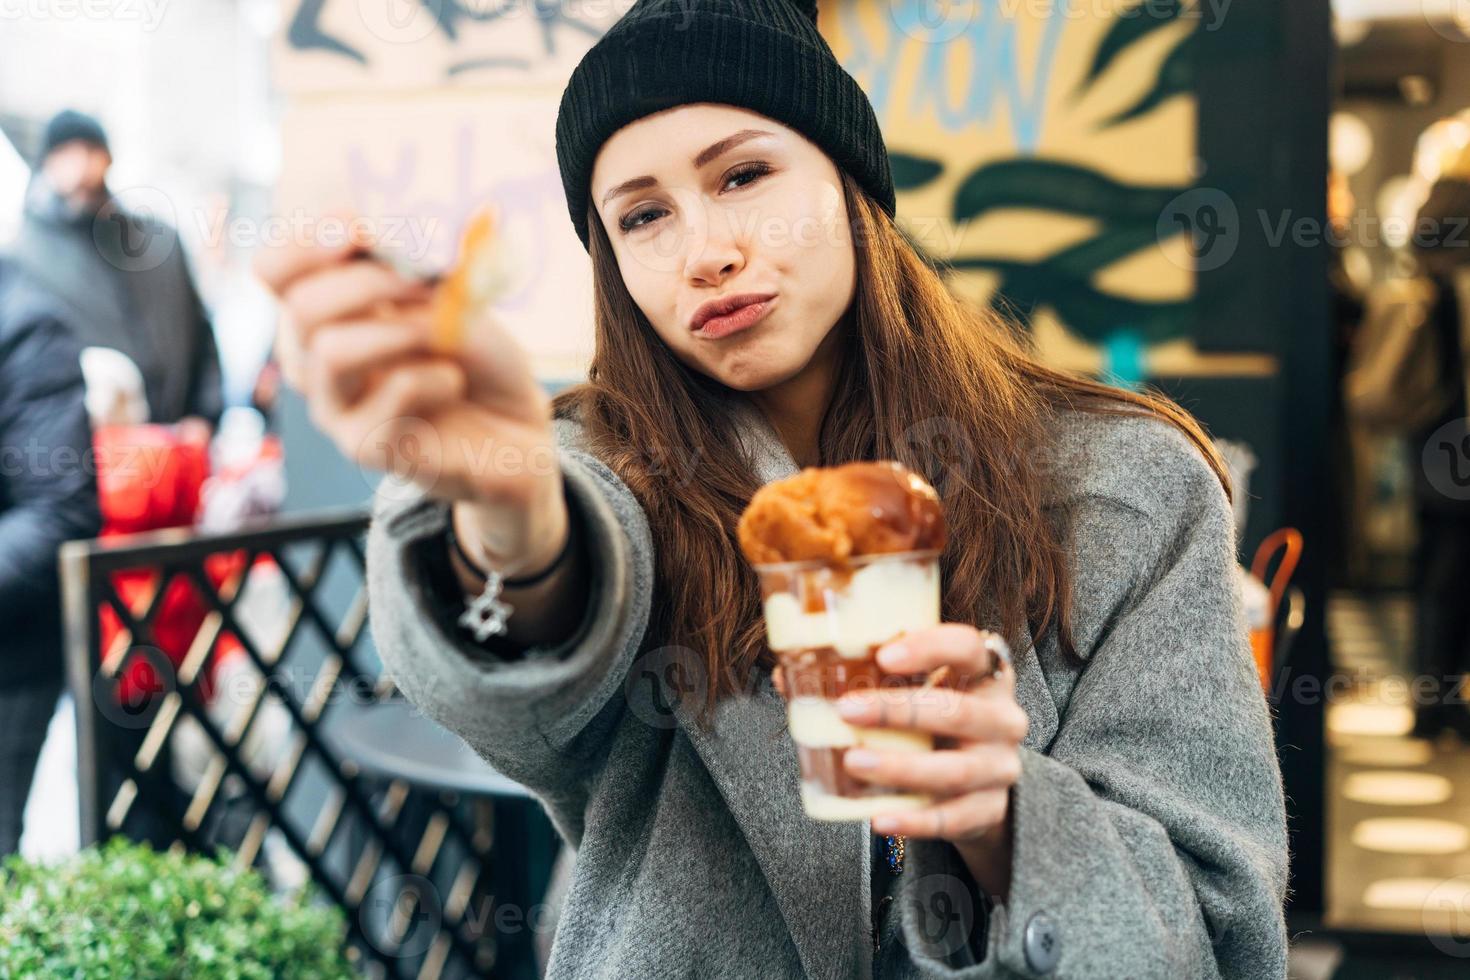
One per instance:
(1000, 654)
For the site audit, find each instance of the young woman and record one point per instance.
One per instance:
(1110, 805)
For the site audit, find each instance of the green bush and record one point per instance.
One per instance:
(126, 910)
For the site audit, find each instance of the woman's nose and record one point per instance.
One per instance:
(717, 253)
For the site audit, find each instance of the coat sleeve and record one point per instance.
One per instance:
(50, 483)
(543, 718)
(206, 384)
(1149, 838)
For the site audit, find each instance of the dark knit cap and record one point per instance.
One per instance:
(762, 55)
(68, 125)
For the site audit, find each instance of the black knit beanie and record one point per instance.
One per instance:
(68, 125)
(762, 55)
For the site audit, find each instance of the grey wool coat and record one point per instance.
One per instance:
(1148, 820)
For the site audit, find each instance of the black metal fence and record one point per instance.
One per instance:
(254, 642)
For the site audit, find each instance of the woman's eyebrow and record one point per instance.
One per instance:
(703, 157)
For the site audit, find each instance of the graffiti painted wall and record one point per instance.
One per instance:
(415, 112)
(1046, 150)
(1043, 148)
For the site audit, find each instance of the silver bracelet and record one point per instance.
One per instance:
(486, 615)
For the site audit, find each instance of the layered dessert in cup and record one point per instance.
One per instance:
(848, 560)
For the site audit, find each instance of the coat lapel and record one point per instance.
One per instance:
(819, 872)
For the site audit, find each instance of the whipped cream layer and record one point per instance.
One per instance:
(879, 601)
(815, 723)
(821, 805)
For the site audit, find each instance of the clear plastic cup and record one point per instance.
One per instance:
(825, 623)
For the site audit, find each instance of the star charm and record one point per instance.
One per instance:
(487, 614)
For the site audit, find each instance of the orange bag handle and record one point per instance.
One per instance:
(1289, 539)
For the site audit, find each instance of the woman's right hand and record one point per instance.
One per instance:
(471, 425)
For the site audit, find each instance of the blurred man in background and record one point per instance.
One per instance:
(48, 494)
(1442, 493)
(123, 276)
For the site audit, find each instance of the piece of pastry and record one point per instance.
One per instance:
(480, 276)
(484, 270)
(840, 512)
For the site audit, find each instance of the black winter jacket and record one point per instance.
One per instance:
(48, 485)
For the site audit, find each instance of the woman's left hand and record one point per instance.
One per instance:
(977, 726)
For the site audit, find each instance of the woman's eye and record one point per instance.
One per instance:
(635, 220)
(754, 171)
(746, 175)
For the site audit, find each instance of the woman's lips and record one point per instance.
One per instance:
(723, 326)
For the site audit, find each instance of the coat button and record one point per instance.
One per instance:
(1042, 943)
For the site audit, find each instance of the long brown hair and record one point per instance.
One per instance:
(948, 389)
